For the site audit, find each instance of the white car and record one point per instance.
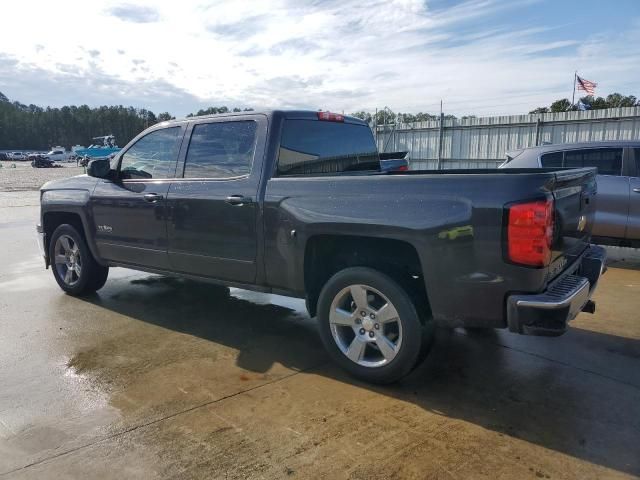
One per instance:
(16, 156)
(57, 154)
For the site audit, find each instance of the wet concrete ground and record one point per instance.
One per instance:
(162, 378)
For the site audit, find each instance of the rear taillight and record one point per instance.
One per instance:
(530, 233)
(330, 117)
(402, 168)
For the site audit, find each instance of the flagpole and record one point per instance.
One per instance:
(573, 99)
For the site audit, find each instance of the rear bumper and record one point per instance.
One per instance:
(548, 313)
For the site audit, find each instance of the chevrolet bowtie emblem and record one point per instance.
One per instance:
(582, 223)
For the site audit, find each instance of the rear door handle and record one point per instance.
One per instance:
(237, 200)
(637, 190)
(152, 197)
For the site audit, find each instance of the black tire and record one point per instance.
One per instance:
(92, 275)
(414, 339)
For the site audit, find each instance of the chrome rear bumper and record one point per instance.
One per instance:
(548, 313)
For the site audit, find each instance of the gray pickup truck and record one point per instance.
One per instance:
(295, 203)
(617, 219)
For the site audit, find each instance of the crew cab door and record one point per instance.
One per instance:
(613, 188)
(633, 225)
(130, 211)
(212, 228)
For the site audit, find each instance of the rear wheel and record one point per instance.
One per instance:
(72, 263)
(369, 325)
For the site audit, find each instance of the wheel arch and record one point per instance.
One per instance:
(52, 218)
(327, 254)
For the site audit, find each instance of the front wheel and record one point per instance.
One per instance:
(369, 325)
(72, 263)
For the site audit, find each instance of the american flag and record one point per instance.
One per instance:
(586, 85)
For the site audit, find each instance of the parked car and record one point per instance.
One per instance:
(57, 154)
(4, 156)
(617, 220)
(18, 156)
(394, 162)
(295, 203)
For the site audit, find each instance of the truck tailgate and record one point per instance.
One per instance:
(574, 193)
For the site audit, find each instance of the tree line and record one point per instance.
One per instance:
(36, 128)
(30, 127)
(613, 100)
(385, 117)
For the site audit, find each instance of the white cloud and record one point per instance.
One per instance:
(335, 54)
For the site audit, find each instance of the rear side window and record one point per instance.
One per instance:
(312, 147)
(551, 160)
(221, 150)
(153, 156)
(608, 161)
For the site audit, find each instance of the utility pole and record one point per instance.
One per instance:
(440, 135)
(375, 126)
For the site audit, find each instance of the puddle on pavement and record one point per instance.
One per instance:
(180, 343)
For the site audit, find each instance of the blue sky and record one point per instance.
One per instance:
(483, 57)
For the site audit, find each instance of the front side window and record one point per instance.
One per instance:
(221, 150)
(311, 147)
(608, 161)
(153, 156)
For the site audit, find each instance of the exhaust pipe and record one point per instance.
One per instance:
(589, 307)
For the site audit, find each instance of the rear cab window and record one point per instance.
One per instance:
(315, 147)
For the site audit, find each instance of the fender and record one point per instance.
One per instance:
(74, 201)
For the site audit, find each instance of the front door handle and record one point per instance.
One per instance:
(637, 190)
(152, 197)
(237, 200)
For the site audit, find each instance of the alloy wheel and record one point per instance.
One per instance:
(365, 326)
(67, 260)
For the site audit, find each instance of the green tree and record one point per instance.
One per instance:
(362, 115)
(540, 110)
(31, 127)
(164, 116)
(562, 105)
(613, 100)
(390, 118)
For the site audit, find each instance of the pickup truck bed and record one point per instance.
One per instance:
(295, 203)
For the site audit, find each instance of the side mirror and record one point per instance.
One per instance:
(99, 168)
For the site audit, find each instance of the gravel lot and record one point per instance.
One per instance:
(24, 177)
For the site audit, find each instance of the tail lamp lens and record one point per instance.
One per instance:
(530, 233)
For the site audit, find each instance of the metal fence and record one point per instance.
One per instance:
(483, 142)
